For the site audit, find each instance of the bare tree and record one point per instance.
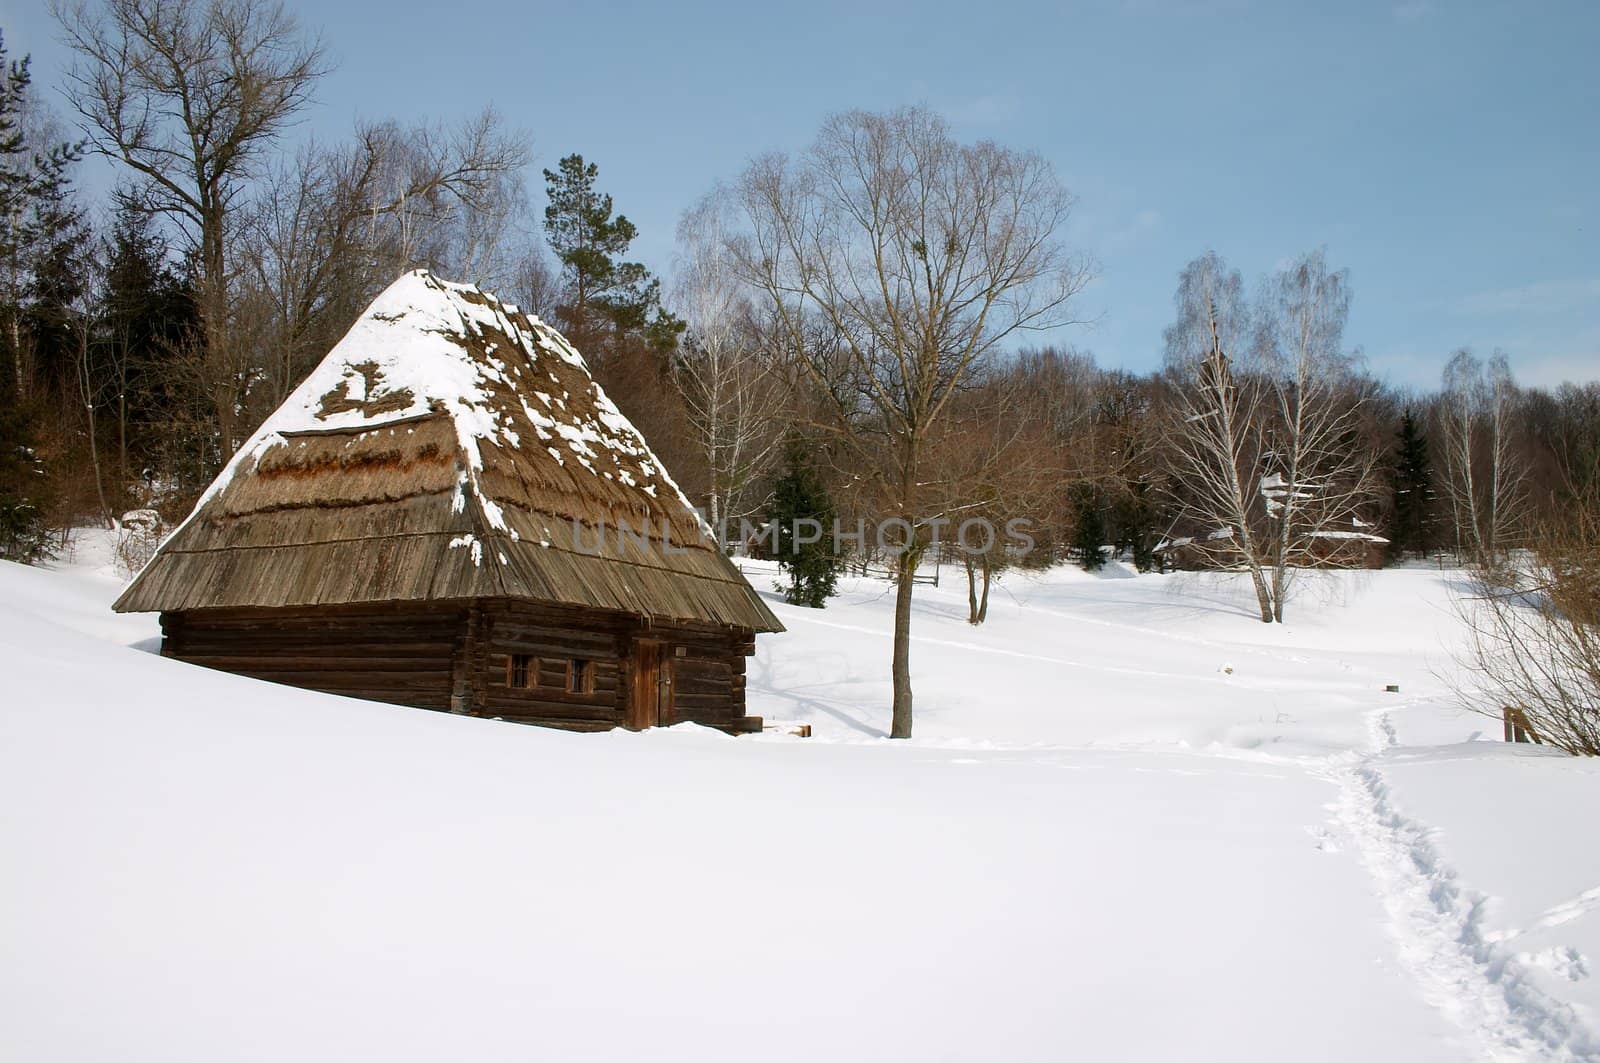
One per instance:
(923, 255)
(990, 463)
(1275, 475)
(447, 197)
(1318, 481)
(1483, 478)
(1534, 633)
(723, 369)
(189, 94)
(536, 285)
(92, 381)
(338, 223)
(1216, 423)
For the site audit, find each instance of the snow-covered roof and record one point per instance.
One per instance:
(463, 439)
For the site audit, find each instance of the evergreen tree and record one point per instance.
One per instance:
(1412, 528)
(602, 290)
(1089, 530)
(1138, 524)
(33, 216)
(150, 314)
(55, 289)
(801, 510)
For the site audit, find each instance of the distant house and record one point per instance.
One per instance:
(450, 514)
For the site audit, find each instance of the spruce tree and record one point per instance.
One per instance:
(1138, 523)
(602, 289)
(1089, 530)
(799, 498)
(1412, 526)
(33, 212)
(150, 314)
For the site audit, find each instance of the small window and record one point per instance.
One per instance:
(580, 677)
(522, 671)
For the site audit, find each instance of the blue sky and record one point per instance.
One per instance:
(1447, 153)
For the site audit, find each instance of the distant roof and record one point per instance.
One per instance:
(449, 447)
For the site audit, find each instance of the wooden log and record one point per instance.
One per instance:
(330, 663)
(558, 724)
(494, 706)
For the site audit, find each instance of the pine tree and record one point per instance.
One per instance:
(1412, 528)
(1089, 530)
(590, 242)
(801, 510)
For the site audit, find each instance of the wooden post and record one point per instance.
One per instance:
(1517, 728)
(468, 661)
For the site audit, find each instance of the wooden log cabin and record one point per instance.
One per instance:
(450, 514)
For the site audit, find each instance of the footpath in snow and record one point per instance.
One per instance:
(1134, 825)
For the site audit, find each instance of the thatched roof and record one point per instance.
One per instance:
(449, 447)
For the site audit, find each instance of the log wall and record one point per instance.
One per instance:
(552, 637)
(708, 670)
(456, 657)
(398, 655)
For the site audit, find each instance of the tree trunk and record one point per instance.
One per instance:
(88, 405)
(14, 325)
(906, 569)
(973, 615)
(99, 480)
(122, 439)
(983, 602)
(1263, 592)
(906, 564)
(1280, 567)
(225, 387)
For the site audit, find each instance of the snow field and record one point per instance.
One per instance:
(1101, 844)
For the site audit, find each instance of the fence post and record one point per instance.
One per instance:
(1517, 727)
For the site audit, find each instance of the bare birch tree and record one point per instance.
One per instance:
(1483, 478)
(1318, 480)
(1215, 427)
(923, 255)
(1274, 474)
(724, 372)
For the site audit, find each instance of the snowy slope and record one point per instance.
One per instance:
(1101, 847)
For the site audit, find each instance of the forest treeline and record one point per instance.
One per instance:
(858, 313)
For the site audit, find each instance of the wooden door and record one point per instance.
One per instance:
(650, 700)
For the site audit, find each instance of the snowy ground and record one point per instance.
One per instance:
(1135, 824)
